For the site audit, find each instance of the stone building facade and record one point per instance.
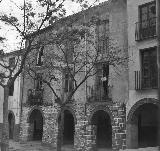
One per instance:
(88, 123)
(142, 106)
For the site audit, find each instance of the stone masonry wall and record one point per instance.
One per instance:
(85, 133)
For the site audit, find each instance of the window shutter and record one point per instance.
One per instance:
(105, 76)
(40, 57)
(12, 62)
(145, 69)
(11, 90)
(38, 82)
(149, 68)
(153, 69)
(66, 84)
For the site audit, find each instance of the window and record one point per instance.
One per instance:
(149, 68)
(68, 84)
(147, 14)
(69, 53)
(38, 81)
(102, 75)
(11, 90)
(40, 57)
(102, 38)
(12, 62)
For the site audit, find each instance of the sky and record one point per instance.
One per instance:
(11, 7)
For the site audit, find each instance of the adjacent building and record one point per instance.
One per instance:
(142, 106)
(14, 101)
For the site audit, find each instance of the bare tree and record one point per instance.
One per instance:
(9, 73)
(70, 54)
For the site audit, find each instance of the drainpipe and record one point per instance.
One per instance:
(21, 95)
(158, 60)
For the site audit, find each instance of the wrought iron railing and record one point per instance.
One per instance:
(35, 96)
(145, 29)
(95, 94)
(138, 80)
(142, 82)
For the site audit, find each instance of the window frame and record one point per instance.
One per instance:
(11, 89)
(100, 85)
(12, 61)
(40, 56)
(151, 85)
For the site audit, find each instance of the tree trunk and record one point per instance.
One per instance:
(5, 133)
(61, 131)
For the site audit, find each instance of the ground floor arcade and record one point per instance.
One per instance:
(81, 126)
(142, 124)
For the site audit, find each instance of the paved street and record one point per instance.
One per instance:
(28, 146)
(36, 146)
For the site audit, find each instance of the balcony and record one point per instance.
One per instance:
(35, 96)
(145, 29)
(144, 83)
(97, 95)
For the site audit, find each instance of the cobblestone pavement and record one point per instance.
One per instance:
(37, 146)
(28, 146)
(33, 146)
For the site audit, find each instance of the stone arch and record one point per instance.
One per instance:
(70, 110)
(138, 104)
(142, 126)
(36, 121)
(11, 122)
(61, 140)
(101, 120)
(36, 108)
(103, 108)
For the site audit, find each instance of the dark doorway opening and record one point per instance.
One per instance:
(104, 129)
(68, 132)
(11, 123)
(36, 125)
(147, 116)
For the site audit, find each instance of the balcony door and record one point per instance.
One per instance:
(149, 68)
(147, 14)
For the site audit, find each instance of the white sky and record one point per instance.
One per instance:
(10, 7)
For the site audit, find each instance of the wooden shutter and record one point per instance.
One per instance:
(11, 90)
(105, 76)
(145, 69)
(153, 68)
(66, 83)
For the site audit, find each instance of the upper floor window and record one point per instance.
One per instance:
(149, 68)
(38, 81)
(11, 90)
(40, 57)
(12, 62)
(69, 52)
(68, 83)
(146, 27)
(102, 37)
(102, 74)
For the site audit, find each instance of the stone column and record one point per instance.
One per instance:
(119, 127)
(24, 132)
(132, 135)
(79, 136)
(91, 138)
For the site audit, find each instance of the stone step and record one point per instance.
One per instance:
(142, 149)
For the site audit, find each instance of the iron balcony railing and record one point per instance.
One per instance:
(97, 94)
(35, 96)
(141, 82)
(145, 29)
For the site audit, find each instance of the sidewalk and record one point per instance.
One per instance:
(34, 146)
(28, 146)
